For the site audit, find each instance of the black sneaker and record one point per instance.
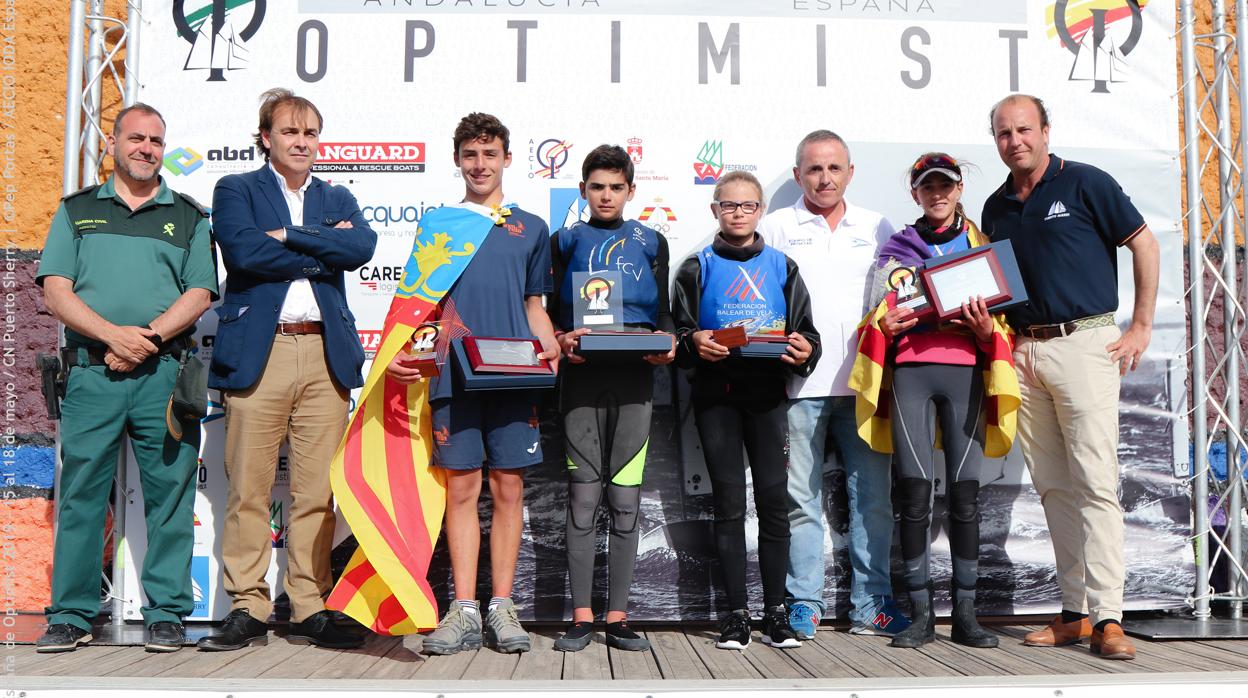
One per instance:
(165, 636)
(776, 629)
(576, 638)
(62, 637)
(734, 631)
(622, 637)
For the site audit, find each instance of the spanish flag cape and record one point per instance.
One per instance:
(382, 475)
(871, 380)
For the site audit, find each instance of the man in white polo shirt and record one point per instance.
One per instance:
(834, 243)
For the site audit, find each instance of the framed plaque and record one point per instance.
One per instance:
(951, 282)
(765, 346)
(597, 300)
(623, 344)
(1004, 253)
(501, 376)
(500, 355)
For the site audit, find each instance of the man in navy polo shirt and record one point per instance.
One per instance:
(1066, 221)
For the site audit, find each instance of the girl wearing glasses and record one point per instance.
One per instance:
(964, 370)
(737, 281)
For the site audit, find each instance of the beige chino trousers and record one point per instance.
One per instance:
(1068, 424)
(294, 398)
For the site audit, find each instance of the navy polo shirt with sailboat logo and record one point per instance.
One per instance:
(1065, 236)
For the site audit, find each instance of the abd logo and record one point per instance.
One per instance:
(1100, 34)
(217, 31)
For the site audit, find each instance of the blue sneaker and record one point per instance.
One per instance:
(804, 618)
(888, 620)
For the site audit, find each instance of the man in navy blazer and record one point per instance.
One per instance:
(286, 357)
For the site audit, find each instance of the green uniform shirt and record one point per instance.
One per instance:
(129, 266)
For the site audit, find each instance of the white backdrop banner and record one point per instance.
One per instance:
(693, 90)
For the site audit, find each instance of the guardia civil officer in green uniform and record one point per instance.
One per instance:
(127, 268)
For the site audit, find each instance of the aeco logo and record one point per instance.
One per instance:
(547, 158)
(183, 161)
(218, 31)
(1085, 31)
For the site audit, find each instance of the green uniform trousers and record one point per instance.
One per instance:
(99, 406)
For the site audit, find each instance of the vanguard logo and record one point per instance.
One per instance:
(1099, 56)
(217, 34)
(370, 157)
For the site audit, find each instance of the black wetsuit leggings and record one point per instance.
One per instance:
(957, 394)
(724, 428)
(606, 426)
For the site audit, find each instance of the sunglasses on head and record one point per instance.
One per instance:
(932, 161)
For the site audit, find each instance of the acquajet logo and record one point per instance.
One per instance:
(548, 158)
(379, 280)
(370, 157)
(396, 214)
(218, 32)
(1100, 35)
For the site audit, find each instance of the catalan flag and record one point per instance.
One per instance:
(871, 380)
(383, 478)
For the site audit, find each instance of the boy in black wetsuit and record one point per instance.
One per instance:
(606, 406)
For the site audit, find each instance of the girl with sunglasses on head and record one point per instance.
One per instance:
(737, 281)
(963, 372)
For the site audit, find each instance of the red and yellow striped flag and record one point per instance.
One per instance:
(383, 478)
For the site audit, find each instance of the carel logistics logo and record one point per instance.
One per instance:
(1100, 34)
(370, 157)
(379, 280)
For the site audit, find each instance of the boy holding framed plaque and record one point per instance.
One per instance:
(610, 278)
(498, 294)
(964, 368)
(739, 282)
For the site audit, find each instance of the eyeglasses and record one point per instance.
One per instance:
(745, 206)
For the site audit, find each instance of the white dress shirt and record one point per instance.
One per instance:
(835, 264)
(300, 304)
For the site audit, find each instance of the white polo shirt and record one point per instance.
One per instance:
(835, 264)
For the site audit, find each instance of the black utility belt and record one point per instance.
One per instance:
(95, 355)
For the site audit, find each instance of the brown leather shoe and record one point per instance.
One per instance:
(1058, 634)
(1111, 643)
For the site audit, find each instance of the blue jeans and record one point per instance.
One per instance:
(813, 422)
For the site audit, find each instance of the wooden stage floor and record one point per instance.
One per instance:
(687, 654)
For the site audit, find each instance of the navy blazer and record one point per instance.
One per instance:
(244, 207)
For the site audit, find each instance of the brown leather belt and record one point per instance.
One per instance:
(1063, 329)
(300, 328)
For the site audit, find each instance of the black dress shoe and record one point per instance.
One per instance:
(321, 630)
(165, 636)
(238, 630)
